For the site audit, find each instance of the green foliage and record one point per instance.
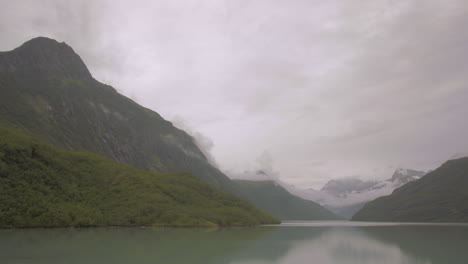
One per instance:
(277, 201)
(440, 196)
(41, 186)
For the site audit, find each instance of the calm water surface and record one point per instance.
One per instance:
(292, 242)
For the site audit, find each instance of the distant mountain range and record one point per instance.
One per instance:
(439, 196)
(347, 196)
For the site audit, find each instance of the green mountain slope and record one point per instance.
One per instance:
(277, 201)
(47, 92)
(41, 186)
(440, 196)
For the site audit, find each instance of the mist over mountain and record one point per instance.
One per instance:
(459, 155)
(342, 187)
(258, 175)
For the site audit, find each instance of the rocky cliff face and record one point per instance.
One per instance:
(45, 56)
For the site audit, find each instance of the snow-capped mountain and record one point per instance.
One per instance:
(342, 187)
(402, 176)
(347, 196)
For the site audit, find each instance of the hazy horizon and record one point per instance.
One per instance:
(308, 90)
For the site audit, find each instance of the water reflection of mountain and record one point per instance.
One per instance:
(336, 245)
(434, 244)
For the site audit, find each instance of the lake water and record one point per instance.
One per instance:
(292, 242)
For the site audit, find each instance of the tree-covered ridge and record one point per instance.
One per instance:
(277, 201)
(41, 186)
(440, 196)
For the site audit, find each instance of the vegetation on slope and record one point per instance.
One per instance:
(41, 186)
(440, 196)
(277, 201)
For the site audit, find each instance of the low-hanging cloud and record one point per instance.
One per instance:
(262, 170)
(204, 143)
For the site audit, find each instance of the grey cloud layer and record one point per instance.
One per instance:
(328, 88)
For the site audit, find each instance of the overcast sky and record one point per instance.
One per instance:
(323, 89)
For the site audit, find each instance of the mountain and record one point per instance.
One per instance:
(343, 187)
(47, 91)
(440, 196)
(347, 196)
(41, 186)
(277, 201)
(353, 187)
(403, 176)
